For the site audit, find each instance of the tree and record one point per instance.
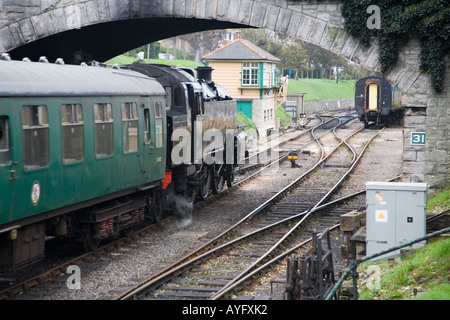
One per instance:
(202, 42)
(294, 56)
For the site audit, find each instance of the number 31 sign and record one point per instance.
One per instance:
(417, 138)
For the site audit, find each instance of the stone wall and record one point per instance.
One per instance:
(437, 149)
(258, 108)
(413, 156)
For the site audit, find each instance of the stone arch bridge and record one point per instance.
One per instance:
(79, 30)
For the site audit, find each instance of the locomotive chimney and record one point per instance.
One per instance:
(204, 73)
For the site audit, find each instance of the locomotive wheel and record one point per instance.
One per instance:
(218, 183)
(205, 182)
(230, 176)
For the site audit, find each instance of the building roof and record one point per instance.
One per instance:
(240, 49)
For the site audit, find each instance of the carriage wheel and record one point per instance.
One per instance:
(156, 207)
(90, 243)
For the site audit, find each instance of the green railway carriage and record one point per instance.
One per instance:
(72, 139)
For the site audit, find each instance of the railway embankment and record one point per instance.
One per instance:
(419, 274)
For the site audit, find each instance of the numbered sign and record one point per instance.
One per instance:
(417, 138)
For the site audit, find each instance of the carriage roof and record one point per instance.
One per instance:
(20, 78)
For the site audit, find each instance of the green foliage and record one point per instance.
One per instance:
(427, 270)
(439, 292)
(285, 118)
(125, 59)
(426, 18)
(439, 202)
(153, 49)
(320, 89)
(250, 125)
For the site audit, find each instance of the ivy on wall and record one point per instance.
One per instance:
(428, 19)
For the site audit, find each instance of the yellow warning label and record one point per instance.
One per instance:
(381, 215)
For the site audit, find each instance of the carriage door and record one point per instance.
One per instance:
(154, 153)
(373, 96)
(8, 169)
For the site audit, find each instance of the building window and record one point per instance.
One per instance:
(35, 137)
(5, 153)
(229, 36)
(104, 130)
(130, 126)
(250, 72)
(72, 133)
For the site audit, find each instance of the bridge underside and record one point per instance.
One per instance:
(103, 41)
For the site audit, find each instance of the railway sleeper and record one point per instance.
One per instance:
(199, 281)
(209, 276)
(193, 288)
(179, 295)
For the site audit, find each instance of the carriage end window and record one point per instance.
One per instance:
(130, 126)
(104, 130)
(72, 133)
(35, 137)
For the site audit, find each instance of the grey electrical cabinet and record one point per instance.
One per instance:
(396, 214)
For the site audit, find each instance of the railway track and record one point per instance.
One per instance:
(55, 272)
(262, 160)
(210, 271)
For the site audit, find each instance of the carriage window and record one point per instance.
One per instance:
(104, 130)
(159, 132)
(130, 126)
(159, 124)
(147, 135)
(35, 137)
(5, 153)
(158, 110)
(72, 133)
